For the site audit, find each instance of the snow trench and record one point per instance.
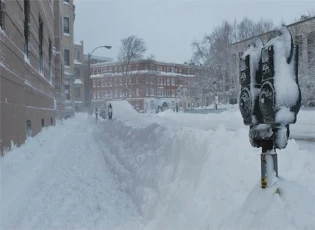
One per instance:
(187, 178)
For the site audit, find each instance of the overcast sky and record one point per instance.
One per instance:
(169, 27)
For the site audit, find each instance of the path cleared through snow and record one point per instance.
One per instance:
(59, 179)
(142, 171)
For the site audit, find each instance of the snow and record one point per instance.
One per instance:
(26, 59)
(2, 31)
(77, 62)
(77, 81)
(164, 171)
(66, 34)
(287, 91)
(155, 73)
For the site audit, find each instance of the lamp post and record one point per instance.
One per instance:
(89, 69)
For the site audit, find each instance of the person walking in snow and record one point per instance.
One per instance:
(96, 113)
(110, 111)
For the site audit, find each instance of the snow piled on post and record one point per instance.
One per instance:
(286, 90)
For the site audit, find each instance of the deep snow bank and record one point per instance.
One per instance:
(188, 178)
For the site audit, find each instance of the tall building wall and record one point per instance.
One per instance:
(26, 75)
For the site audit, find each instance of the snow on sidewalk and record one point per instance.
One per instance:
(59, 179)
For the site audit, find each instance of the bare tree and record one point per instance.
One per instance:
(215, 54)
(132, 49)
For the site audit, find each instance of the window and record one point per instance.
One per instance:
(67, 57)
(94, 83)
(66, 25)
(173, 92)
(173, 81)
(137, 92)
(168, 93)
(116, 93)
(77, 73)
(168, 81)
(147, 91)
(40, 45)
(77, 93)
(77, 54)
(26, 26)
(2, 14)
(159, 92)
(103, 83)
(98, 83)
(50, 57)
(151, 91)
(66, 1)
(43, 122)
(29, 128)
(129, 92)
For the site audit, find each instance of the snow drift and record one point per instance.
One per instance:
(141, 171)
(186, 178)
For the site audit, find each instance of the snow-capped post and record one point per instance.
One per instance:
(270, 96)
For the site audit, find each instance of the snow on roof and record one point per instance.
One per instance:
(135, 72)
(78, 82)
(68, 73)
(77, 62)
(108, 63)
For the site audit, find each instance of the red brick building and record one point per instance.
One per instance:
(145, 84)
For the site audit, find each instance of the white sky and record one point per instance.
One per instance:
(169, 27)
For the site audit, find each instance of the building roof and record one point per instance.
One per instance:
(113, 63)
(142, 72)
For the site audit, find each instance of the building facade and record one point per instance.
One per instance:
(87, 92)
(27, 95)
(78, 83)
(68, 55)
(58, 60)
(147, 85)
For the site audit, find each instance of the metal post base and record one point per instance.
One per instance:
(269, 162)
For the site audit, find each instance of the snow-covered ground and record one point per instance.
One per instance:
(164, 171)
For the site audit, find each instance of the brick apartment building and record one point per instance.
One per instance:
(32, 66)
(146, 84)
(87, 89)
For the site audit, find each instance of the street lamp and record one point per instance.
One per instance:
(89, 69)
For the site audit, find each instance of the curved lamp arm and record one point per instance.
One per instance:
(107, 47)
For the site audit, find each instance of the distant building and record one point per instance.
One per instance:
(147, 85)
(78, 83)
(27, 88)
(68, 55)
(87, 92)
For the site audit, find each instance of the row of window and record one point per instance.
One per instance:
(119, 69)
(149, 92)
(152, 80)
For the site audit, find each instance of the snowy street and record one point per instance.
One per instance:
(147, 171)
